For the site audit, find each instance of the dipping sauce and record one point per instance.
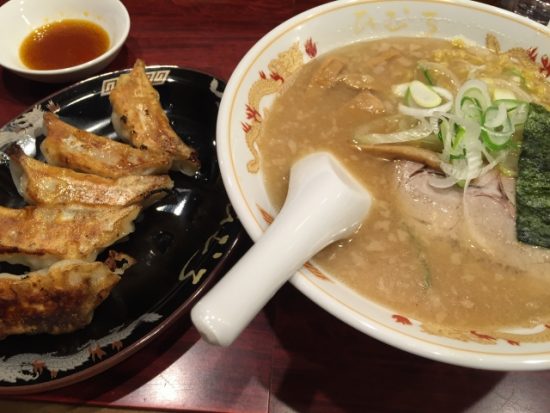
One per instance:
(62, 44)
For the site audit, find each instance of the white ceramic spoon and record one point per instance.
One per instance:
(324, 204)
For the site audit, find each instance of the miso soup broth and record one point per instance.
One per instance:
(427, 258)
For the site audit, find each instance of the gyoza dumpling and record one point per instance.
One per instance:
(40, 183)
(38, 236)
(73, 148)
(56, 300)
(138, 117)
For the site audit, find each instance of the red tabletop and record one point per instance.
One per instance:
(294, 356)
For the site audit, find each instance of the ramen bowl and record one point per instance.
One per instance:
(246, 103)
(19, 18)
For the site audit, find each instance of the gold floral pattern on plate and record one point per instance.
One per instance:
(539, 334)
(280, 70)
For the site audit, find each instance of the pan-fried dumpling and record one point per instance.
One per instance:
(83, 151)
(56, 300)
(38, 236)
(138, 117)
(40, 183)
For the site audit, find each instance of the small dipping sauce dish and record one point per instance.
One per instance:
(61, 40)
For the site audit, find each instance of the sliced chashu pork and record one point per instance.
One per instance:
(434, 210)
(482, 218)
(490, 222)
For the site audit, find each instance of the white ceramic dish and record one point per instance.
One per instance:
(18, 18)
(250, 91)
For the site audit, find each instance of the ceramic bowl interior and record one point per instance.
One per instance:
(250, 92)
(18, 18)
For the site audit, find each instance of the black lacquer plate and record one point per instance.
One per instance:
(182, 242)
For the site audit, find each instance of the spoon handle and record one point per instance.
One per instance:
(324, 204)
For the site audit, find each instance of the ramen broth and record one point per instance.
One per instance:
(424, 274)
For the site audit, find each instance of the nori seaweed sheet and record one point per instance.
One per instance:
(533, 182)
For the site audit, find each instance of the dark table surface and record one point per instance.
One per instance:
(293, 356)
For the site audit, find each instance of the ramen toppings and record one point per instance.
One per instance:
(433, 129)
(533, 184)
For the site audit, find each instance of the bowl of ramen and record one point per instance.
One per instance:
(61, 40)
(440, 109)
